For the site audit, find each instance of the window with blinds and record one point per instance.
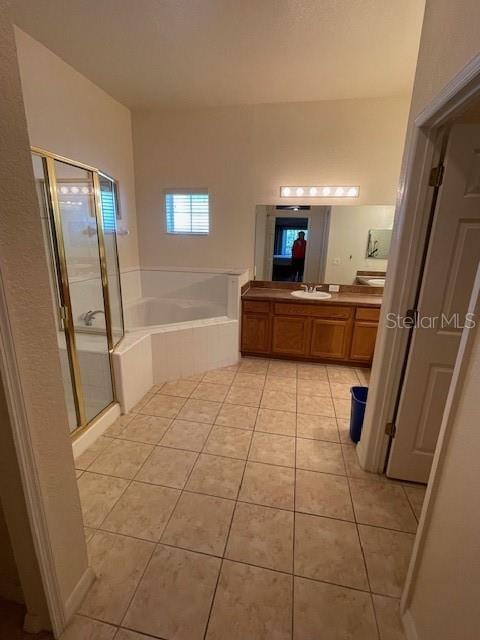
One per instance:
(187, 212)
(109, 206)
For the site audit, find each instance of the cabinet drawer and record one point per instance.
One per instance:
(315, 311)
(256, 307)
(368, 313)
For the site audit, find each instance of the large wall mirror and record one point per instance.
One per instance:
(339, 244)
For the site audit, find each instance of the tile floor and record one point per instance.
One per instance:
(231, 506)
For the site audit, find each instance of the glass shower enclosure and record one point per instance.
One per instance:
(78, 205)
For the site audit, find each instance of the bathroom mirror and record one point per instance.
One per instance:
(337, 244)
(378, 245)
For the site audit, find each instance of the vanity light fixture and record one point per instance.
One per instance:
(320, 192)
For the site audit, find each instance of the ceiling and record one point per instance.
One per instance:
(172, 53)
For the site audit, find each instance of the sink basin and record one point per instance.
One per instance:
(311, 295)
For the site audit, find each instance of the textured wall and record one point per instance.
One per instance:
(24, 275)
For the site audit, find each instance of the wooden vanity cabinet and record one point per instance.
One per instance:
(336, 333)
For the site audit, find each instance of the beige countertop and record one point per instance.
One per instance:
(285, 295)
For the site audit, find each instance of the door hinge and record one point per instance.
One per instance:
(390, 429)
(436, 176)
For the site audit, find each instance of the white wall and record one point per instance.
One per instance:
(244, 154)
(69, 115)
(348, 238)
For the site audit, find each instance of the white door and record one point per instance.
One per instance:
(450, 268)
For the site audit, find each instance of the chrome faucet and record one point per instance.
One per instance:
(89, 316)
(310, 288)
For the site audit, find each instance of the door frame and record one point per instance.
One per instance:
(410, 234)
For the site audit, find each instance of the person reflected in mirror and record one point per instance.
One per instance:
(299, 248)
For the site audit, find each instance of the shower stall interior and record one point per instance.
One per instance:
(79, 209)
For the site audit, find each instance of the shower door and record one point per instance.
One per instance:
(84, 252)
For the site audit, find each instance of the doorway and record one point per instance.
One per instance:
(78, 206)
(291, 235)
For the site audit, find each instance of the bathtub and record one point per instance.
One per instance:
(178, 323)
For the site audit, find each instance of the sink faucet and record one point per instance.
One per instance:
(89, 316)
(310, 288)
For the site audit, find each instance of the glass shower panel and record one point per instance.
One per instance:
(77, 218)
(108, 199)
(39, 171)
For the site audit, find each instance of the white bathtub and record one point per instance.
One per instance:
(178, 323)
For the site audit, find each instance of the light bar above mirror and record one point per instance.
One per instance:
(320, 192)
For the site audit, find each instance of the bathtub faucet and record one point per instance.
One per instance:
(89, 316)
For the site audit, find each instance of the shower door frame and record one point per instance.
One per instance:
(63, 284)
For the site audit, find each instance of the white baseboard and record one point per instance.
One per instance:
(409, 626)
(95, 430)
(78, 594)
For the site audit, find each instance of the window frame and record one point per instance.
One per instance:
(187, 191)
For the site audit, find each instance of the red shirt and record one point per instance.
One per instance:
(298, 248)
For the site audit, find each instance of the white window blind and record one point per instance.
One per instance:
(187, 212)
(109, 210)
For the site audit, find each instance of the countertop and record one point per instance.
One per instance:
(285, 295)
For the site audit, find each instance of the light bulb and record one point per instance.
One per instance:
(326, 191)
(74, 189)
(339, 191)
(353, 192)
(299, 191)
(286, 192)
(85, 190)
(63, 189)
(313, 191)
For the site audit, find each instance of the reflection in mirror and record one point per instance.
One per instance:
(336, 245)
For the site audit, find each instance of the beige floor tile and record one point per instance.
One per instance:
(181, 388)
(174, 597)
(382, 504)
(363, 376)
(323, 494)
(253, 365)
(344, 375)
(89, 533)
(317, 427)
(125, 634)
(341, 390)
(142, 511)
(315, 405)
(118, 563)
(335, 613)
(78, 473)
(200, 523)
(416, 496)
(163, 406)
(117, 428)
(329, 550)
(279, 400)
(387, 554)
(272, 449)
(220, 376)
(352, 465)
(200, 411)
(122, 459)
(344, 431)
(211, 391)
(272, 421)
(236, 415)
(229, 442)
(251, 603)
(268, 485)
(387, 611)
(91, 454)
(169, 467)
(247, 396)
(318, 455)
(141, 403)
(148, 429)
(278, 383)
(312, 372)
(251, 380)
(313, 388)
(342, 408)
(261, 536)
(81, 628)
(185, 434)
(98, 494)
(285, 369)
(216, 476)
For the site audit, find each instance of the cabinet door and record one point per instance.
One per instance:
(256, 333)
(290, 336)
(330, 339)
(363, 341)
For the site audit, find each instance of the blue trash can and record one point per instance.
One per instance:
(359, 401)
